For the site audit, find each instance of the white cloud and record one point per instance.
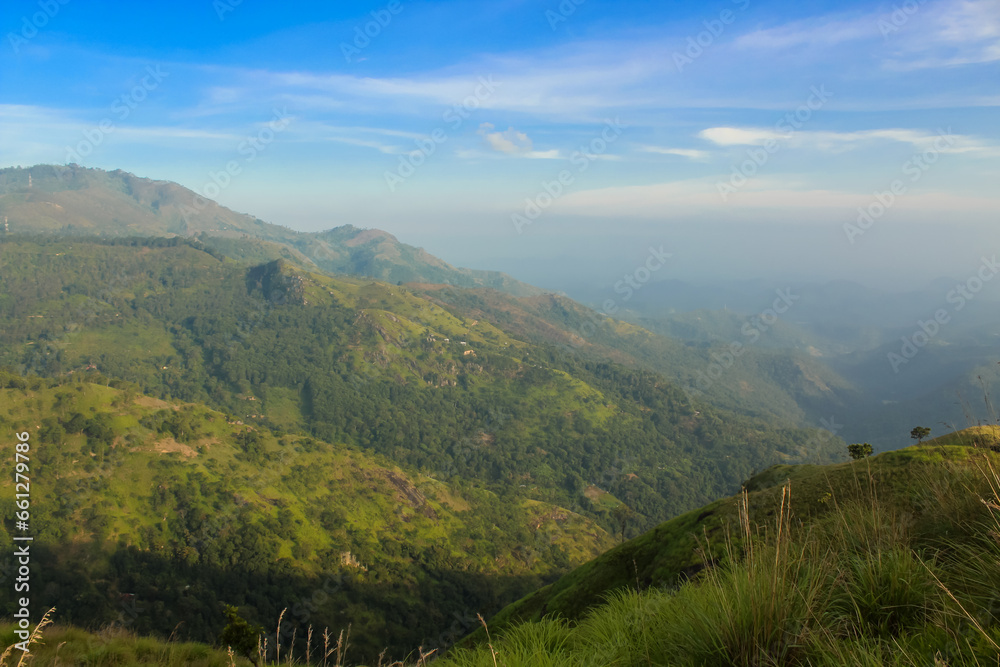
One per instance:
(691, 153)
(553, 154)
(841, 141)
(156, 134)
(513, 142)
(476, 154)
(378, 138)
(970, 21)
(584, 81)
(813, 32)
(510, 141)
(949, 34)
(941, 34)
(366, 143)
(738, 136)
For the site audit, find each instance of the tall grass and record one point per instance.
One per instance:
(871, 583)
(61, 645)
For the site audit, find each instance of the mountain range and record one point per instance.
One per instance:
(822, 364)
(428, 440)
(78, 201)
(436, 441)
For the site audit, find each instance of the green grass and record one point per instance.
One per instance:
(870, 582)
(889, 561)
(111, 647)
(976, 436)
(933, 481)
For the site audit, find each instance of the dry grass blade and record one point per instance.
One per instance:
(744, 511)
(960, 606)
(342, 648)
(34, 638)
(327, 650)
(173, 633)
(489, 639)
(5, 655)
(277, 637)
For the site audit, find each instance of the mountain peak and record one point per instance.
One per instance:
(75, 200)
(352, 236)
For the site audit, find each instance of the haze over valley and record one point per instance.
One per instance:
(569, 333)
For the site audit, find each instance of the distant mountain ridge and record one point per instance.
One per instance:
(802, 369)
(74, 200)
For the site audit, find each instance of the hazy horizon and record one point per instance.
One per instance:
(556, 142)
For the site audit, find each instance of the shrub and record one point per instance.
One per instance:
(859, 450)
(240, 635)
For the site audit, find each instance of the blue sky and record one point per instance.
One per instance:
(451, 124)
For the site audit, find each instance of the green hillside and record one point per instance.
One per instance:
(761, 382)
(151, 513)
(75, 201)
(887, 561)
(380, 367)
(669, 554)
(787, 385)
(223, 417)
(478, 453)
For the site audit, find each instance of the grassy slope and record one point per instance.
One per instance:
(144, 489)
(854, 576)
(680, 548)
(67, 645)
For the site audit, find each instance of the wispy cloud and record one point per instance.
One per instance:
(690, 153)
(157, 134)
(552, 154)
(841, 141)
(948, 35)
(937, 34)
(586, 80)
(821, 31)
(384, 140)
(366, 143)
